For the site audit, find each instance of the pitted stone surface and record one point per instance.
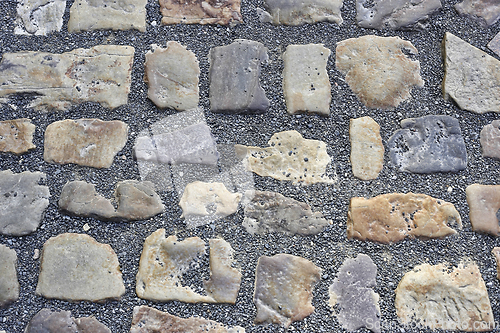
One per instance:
(496, 253)
(490, 139)
(377, 70)
(100, 74)
(9, 286)
(48, 321)
(306, 85)
(16, 136)
(485, 11)
(367, 149)
(295, 12)
(428, 144)
(494, 44)
(484, 203)
(201, 11)
(39, 17)
(392, 217)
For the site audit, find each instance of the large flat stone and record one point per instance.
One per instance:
(494, 44)
(48, 321)
(100, 74)
(295, 12)
(9, 286)
(484, 203)
(392, 217)
(39, 17)
(377, 70)
(490, 139)
(367, 149)
(201, 12)
(16, 136)
(485, 11)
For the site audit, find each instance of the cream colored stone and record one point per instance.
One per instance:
(484, 203)
(297, 12)
(496, 253)
(16, 136)
(367, 150)
(39, 17)
(201, 12)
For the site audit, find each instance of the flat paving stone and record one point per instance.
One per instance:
(223, 12)
(39, 17)
(16, 136)
(484, 11)
(295, 12)
(367, 149)
(48, 321)
(494, 44)
(490, 140)
(9, 286)
(484, 203)
(496, 254)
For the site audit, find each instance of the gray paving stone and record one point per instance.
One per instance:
(295, 12)
(484, 203)
(494, 44)
(39, 17)
(9, 286)
(485, 11)
(48, 321)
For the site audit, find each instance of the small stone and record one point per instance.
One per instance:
(428, 144)
(367, 149)
(484, 203)
(39, 17)
(201, 12)
(87, 142)
(484, 11)
(494, 44)
(48, 321)
(490, 140)
(234, 78)
(392, 217)
(378, 71)
(36, 254)
(9, 286)
(75, 267)
(86, 227)
(16, 136)
(305, 81)
(295, 12)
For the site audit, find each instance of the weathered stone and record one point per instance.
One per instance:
(81, 199)
(288, 157)
(494, 44)
(88, 142)
(306, 85)
(200, 11)
(234, 78)
(428, 144)
(100, 74)
(272, 212)
(164, 261)
(485, 11)
(16, 136)
(440, 298)
(484, 203)
(367, 149)
(76, 267)
(48, 321)
(296, 12)
(377, 70)
(472, 77)
(137, 200)
(391, 217)
(22, 202)
(88, 15)
(496, 253)
(9, 286)
(352, 291)
(39, 17)
(150, 320)
(490, 139)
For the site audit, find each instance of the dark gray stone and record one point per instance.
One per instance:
(47, 321)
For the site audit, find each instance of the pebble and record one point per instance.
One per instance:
(9, 286)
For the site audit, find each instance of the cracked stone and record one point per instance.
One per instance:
(16, 136)
(494, 44)
(367, 149)
(222, 12)
(9, 286)
(48, 321)
(295, 12)
(484, 203)
(486, 12)
(490, 140)
(39, 17)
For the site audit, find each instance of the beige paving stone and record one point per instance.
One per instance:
(39, 17)
(496, 253)
(490, 139)
(367, 149)
(48, 321)
(485, 11)
(201, 12)
(16, 136)
(9, 286)
(484, 203)
(294, 12)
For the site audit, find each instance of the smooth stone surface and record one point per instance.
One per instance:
(81, 199)
(267, 212)
(39, 17)
(16, 136)
(48, 321)
(484, 11)
(100, 74)
(367, 149)
(484, 203)
(9, 286)
(22, 202)
(377, 70)
(490, 139)
(306, 85)
(295, 12)
(389, 218)
(472, 77)
(75, 267)
(428, 144)
(201, 12)
(494, 44)
(283, 289)
(234, 78)
(88, 142)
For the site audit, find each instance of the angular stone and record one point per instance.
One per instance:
(496, 253)
(100, 74)
(22, 202)
(88, 15)
(352, 291)
(283, 289)
(88, 142)
(494, 44)
(201, 12)
(392, 217)
(484, 11)
(267, 212)
(490, 139)
(9, 286)
(234, 78)
(288, 157)
(48, 321)
(76, 267)
(16, 136)
(367, 149)
(472, 77)
(164, 261)
(428, 144)
(81, 199)
(484, 203)
(440, 298)
(306, 85)
(39, 17)
(378, 71)
(296, 12)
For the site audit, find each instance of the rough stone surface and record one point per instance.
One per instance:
(283, 289)
(200, 11)
(485, 11)
(76, 267)
(377, 70)
(88, 142)
(100, 74)
(428, 144)
(352, 291)
(496, 253)
(391, 217)
(440, 298)
(472, 77)
(39, 17)
(234, 78)
(9, 286)
(306, 85)
(367, 149)
(16, 136)
(484, 203)
(22, 202)
(296, 12)
(494, 44)
(490, 139)
(48, 321)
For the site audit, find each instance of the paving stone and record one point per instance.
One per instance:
(100, 74)
(164, 261)
(81, 199)
(283, 289)
(88, 142)
(440, 298)
(472, 77)
(48, 321)
(75, 267)
(428, 144)
(9, 286)
(484, 203)
(306, 85)
(88, 15)
(494, 44)
(267, 212)
(484, 11)
(201, 12)
(22, 202)
(367, 149)
(496, 253)
(352, 291)
(234, 78)
(39, 17)
(296, 12)
(16, 136)
(392, 217)
(378, 71)
(490, 139)
(288, 157)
